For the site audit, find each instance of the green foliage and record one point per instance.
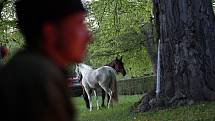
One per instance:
(9, 34)
(116, 26)
(202, 112)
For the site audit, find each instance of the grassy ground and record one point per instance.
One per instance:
(202, 112)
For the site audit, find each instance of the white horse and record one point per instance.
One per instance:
(104, 77)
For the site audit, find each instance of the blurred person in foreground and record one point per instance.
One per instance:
(33, 83)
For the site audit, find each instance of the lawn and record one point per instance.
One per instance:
(120, 112)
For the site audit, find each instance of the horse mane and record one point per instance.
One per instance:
(85, 66)
(110, 64)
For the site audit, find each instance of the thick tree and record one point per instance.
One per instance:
(186, 29)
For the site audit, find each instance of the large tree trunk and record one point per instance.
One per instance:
(187, 33)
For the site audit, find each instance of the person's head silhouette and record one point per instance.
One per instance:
(55, 27)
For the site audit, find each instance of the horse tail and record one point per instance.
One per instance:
(114, 89)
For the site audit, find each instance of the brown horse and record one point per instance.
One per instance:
(117, 65)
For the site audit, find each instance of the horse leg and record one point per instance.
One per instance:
(103, 97)
(86, 99)
(97, 101)
(110, 93)
(89, 97)
(108, 98)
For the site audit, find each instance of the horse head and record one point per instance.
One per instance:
(118, 65)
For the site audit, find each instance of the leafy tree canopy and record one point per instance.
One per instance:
(116, 26)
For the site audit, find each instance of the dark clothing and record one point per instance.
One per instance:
(1, 65)
(32, 88)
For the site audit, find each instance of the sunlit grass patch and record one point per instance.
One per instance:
(120, 112)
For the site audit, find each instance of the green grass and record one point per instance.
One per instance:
(120, 112)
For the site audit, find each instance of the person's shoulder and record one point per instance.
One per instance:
(30, 57)
(31, 63)
(25, 59)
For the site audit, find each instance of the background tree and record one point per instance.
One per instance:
(116, 26)
(187, 33)
(9, 34)
(118, 31)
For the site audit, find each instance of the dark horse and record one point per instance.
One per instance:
(116, 64)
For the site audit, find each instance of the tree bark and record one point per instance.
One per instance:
(187, 33)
